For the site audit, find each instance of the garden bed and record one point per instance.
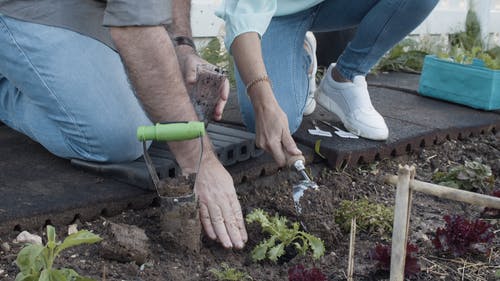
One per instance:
(273, 194)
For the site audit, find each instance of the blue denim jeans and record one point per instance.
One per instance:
(68, 92)
(380, 25)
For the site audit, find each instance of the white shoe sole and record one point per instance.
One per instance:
(331, 106)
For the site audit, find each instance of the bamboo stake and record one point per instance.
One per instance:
(450, 193)
(401, 221)
(350, 267)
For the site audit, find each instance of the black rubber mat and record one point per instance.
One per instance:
(414, 122)
(38, 188)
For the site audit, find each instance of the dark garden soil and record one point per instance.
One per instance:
(273, 194)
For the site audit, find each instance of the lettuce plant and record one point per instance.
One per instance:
(299, 273)
(472, 176)
(36, 261)
(227, 273)
(382, 255)
(370, 217)
(282, 236)
(460, 236)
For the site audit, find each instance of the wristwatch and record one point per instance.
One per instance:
(184, 40)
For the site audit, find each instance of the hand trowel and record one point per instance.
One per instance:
(297, 162)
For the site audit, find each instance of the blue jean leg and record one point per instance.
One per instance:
(381, 24)
(68, 92)
(287, 64)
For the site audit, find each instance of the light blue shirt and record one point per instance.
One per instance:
(243, 16)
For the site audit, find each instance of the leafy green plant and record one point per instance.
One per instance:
(471, 37)
(370, 217)
(461, 55)
(215, 54)
(36, 261)
(472, 176)
(282, 236)
(227, 273)
(468, 45)
(462, 47)
(407, 56)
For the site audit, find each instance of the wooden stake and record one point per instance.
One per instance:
(401, 223)
(350, 267)
(450, 193)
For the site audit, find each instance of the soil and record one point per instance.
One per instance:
(179, 215)
(204, 94)
(273, 194)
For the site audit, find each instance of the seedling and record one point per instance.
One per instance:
(467, 45)
(472, 176)
(227, 273)
(406, 56)
(370, 217)
(299, 273)
(460, 236)
(36, 261)
(382, 255)
(282, 236)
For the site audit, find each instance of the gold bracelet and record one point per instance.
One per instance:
(263, 78)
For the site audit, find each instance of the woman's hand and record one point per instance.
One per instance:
(271, 125)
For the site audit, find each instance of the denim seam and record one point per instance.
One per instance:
(44, 84)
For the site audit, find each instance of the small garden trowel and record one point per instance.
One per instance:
(297, 162)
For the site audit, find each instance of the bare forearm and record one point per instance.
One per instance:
(152, 67)
(181, 18)
(247, 53)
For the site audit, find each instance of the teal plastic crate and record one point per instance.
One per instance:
(473, 84)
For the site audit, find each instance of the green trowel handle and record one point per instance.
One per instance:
(172, 131)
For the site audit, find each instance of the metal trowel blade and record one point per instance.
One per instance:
(298, 192)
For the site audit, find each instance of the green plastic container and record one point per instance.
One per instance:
(472, 85)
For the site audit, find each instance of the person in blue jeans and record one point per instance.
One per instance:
(275, 62)
(64, 82)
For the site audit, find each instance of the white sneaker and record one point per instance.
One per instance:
(310, 46)
(350, 101)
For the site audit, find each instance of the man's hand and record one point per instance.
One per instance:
(188, 61)
(220, 210)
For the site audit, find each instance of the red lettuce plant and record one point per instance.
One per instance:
(382, 254)
(299, 273)
(492, 212)
(460, 236)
